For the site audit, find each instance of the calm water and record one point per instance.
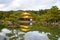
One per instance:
(53, 32)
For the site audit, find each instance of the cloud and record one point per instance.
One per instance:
(5, 1)
(2, 6)
(58, 4)
(28, 4)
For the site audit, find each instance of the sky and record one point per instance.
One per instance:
(6, 5)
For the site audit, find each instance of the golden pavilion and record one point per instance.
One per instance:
(26, 21)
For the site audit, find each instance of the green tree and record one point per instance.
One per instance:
(2, 26)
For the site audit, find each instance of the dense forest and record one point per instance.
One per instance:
(47, 16)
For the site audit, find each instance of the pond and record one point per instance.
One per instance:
(48, 31)
(53, 32)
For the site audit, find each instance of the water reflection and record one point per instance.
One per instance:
(35, 35)
(59, 38)
(5, 30)
(39, 32)
(53, 32)
(32, 35)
